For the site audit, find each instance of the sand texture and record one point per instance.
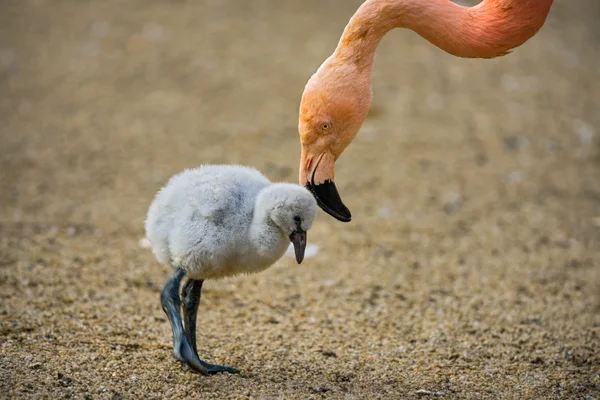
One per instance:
(470, 270)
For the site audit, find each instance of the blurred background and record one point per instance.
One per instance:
(470, 267)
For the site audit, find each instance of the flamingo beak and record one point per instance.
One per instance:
(318, 176)
(330, 201)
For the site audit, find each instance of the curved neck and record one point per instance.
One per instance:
(261, 224)
(263, 234)
(490, 29)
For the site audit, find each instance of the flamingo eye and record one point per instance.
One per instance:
(325, 126)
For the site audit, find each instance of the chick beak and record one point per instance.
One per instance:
(298, 239)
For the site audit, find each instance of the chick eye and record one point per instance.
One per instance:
(325, 126)
(297, 218)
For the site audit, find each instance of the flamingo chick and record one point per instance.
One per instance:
(217, 221)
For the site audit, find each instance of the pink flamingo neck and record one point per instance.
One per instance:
(490, 29)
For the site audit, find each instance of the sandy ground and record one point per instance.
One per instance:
(470, 269)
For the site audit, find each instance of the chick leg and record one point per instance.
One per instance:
(171, 305)
(190, 296)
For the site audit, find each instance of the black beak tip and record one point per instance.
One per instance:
(298, 239)
(329, 200)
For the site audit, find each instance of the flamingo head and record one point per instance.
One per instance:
(332, 111)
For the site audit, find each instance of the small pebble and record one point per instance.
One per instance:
(385, 213)
(145, 243)
(453, 203)
(423, 392)
(35, 365)
(329, 353)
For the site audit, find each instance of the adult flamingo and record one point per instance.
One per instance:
(337, 97)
